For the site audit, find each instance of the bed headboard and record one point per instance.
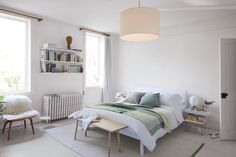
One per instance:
(170, 97)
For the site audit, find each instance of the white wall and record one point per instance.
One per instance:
(185, 57)
(42, 84)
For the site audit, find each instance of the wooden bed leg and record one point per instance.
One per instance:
(141, 149)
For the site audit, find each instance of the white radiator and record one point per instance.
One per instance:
(59, 106)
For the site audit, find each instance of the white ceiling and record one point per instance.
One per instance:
(103, 15)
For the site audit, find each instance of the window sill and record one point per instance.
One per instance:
(16, 93)
(94, 87)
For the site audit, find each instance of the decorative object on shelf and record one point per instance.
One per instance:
(209, 102)
(64, 68)
(121, 95)
(69, 42)
(194, 101)
(81, 69)
(140, 24)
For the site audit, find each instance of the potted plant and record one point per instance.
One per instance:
(1, 106)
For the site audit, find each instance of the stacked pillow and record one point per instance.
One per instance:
(134, 97)
(151, 99)
(146, 99)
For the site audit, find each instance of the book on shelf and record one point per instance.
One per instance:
(54, 68)
(75, 69)
(50, 67)
(43, 55)
(50, 55)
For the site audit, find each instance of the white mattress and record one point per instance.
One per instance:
(136, 129)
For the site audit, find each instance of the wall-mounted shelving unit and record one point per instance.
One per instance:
(55, 60)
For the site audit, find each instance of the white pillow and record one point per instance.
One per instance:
(173, 100)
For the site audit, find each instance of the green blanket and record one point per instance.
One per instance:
(152, 120)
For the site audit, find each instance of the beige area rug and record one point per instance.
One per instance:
(95, 144)
(24, 144)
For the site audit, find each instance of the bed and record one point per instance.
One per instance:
(173, 102)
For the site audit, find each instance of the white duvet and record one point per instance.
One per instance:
(137, 129)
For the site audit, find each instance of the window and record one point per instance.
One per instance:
(14, 54)
(95, 47)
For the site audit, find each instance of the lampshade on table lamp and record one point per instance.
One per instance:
(194, 101)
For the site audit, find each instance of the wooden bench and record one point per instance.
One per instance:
(109, 126)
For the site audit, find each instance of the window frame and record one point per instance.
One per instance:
(28, 76)
(99, 84)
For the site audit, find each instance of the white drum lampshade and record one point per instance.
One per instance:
(194, 101)
(140, 24)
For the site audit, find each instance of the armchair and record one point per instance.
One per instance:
(18, 108)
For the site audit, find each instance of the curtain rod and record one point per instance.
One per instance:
(91, 30)
(21, 14)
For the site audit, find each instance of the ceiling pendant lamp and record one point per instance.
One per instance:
(139, 24)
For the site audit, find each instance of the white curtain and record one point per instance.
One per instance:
(107, 85)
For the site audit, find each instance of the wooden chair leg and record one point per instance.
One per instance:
(4, 126)
(25, 123)
(9, 130)
(32, 125)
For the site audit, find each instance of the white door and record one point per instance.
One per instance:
(228, 89)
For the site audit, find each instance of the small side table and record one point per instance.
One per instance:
(196, 118)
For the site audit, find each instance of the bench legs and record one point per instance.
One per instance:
(109, 139)
(76, 129)
(109, 143)
(141, 149)
(118, 140)
(10, 124)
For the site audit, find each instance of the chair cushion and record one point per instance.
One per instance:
(17, 104)
(24, 115)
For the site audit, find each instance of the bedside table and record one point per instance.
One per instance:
(196, 118)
